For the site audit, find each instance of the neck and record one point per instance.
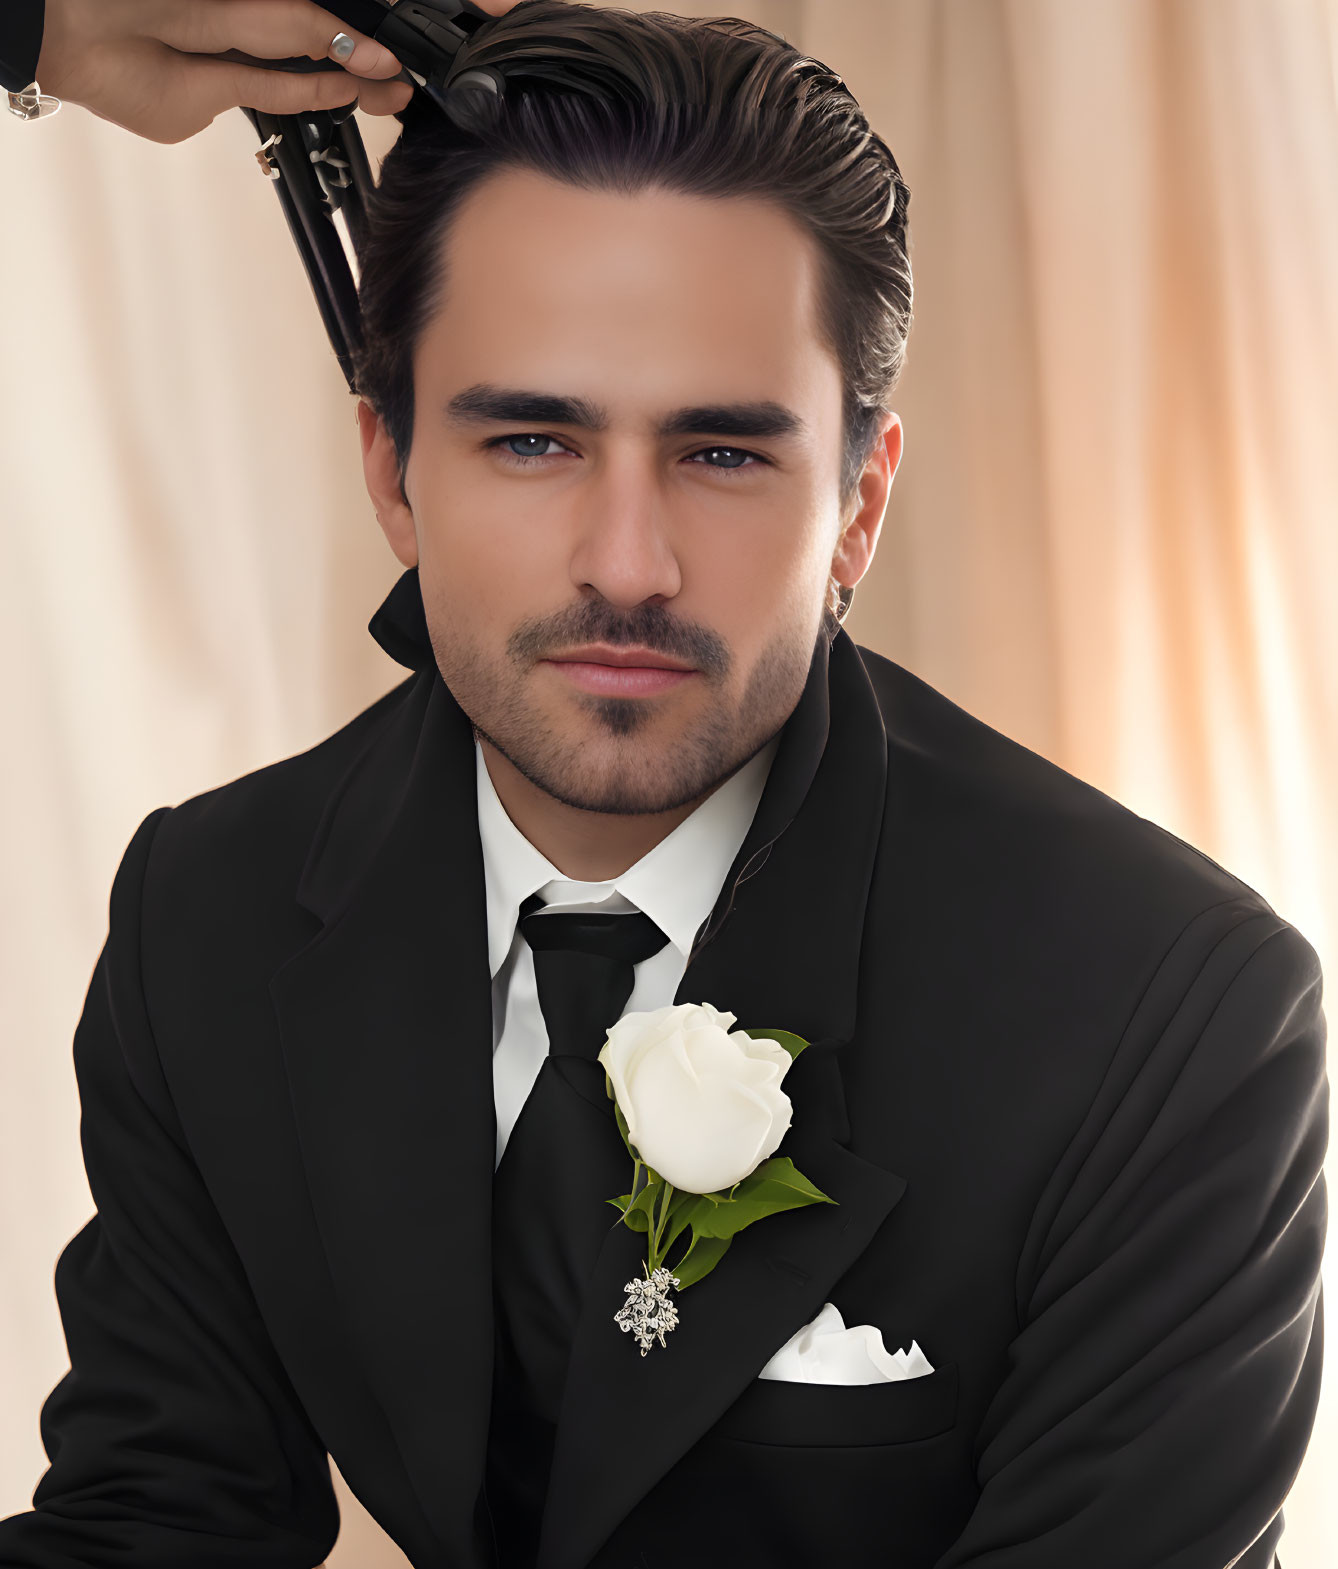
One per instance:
(588, 847)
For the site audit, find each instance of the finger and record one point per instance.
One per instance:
(384, 97)
(269, 30)
(220, 85)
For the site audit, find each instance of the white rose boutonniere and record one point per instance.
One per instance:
(701, 1111)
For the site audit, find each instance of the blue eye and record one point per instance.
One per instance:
(503, 445)
(524, 437)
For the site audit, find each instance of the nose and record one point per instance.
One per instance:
(624, 548)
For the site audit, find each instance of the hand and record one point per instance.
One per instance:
(141, 63)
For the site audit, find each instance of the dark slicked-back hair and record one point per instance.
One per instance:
(710, 106)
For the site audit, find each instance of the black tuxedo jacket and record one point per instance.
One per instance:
(1066, 1088)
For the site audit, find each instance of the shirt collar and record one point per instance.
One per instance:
(675, 883)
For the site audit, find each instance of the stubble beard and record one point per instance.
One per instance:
(624, 758)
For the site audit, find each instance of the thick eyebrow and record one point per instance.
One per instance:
(485, 402)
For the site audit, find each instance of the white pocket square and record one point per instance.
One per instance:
(826, 1352)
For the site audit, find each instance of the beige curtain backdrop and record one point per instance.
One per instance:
(1112, 537)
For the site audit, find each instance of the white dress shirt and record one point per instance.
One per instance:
(675, 883)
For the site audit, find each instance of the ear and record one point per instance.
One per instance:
(380, 469)
(859, 537)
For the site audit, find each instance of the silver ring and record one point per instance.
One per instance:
(342, 47)
(32, 103)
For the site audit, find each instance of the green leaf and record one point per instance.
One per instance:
(681, 1214)
(701, 1257)
(681, 1200)
(634, 1218)
(773, 1187)
(779, 1169)
(794, 1044)
(638, 1216)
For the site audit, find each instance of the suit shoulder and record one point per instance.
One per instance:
(266, 817)
(1014, 805)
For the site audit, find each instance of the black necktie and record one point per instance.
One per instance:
(583, 967)
(562, 1161)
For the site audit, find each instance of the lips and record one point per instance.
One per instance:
(620, 658)
(619, 680)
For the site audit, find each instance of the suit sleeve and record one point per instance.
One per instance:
(1161, 1388)
(175, 1438)
(20, 41)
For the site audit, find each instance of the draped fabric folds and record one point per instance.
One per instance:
(1111, 535)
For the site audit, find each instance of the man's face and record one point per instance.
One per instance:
(615, 521)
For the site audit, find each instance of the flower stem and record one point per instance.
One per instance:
(631, 1198)
(655, 1259)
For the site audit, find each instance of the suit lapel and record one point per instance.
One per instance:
(781, 949)
(386, 1026)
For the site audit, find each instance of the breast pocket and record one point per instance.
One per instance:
(775, 1411)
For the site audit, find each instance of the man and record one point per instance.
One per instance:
(624, 426)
